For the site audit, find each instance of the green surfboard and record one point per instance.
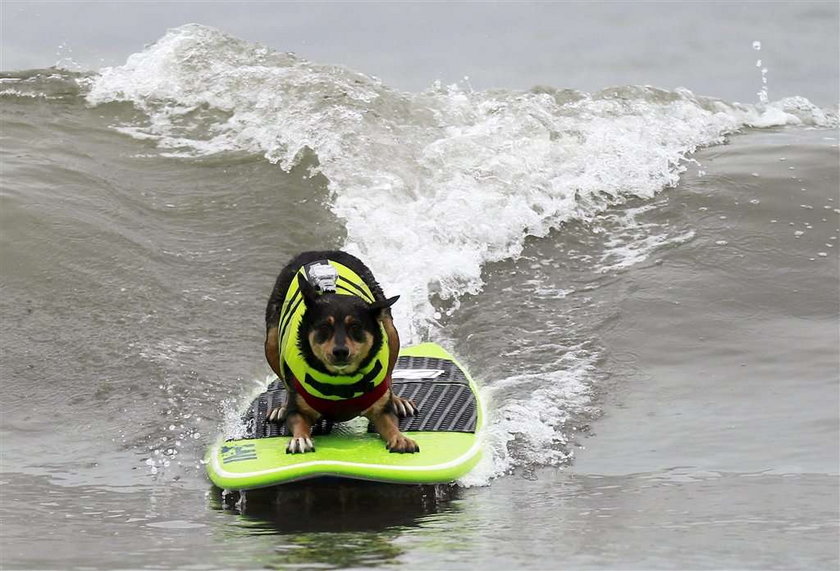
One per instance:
(446, 428)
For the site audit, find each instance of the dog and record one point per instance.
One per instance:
(331, 339)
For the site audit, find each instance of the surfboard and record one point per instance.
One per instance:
(447, 429)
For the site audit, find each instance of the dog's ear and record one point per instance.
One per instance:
(377, 306)
(306, 289)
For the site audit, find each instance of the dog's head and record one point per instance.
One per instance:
(339, 334)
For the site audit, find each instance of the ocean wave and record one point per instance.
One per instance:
(45, 84)
(432, 186)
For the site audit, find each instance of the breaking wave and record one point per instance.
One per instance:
(432, 186)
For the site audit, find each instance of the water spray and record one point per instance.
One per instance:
(762, 93)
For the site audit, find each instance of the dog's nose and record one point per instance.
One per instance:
(341, 353)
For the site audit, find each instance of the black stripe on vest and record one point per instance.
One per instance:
(359, 291)
(297, 299)
(349, 291)
(364, 385)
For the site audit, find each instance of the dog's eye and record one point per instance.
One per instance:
(357, 332)
(323, 332)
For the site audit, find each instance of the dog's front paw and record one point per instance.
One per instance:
(400, 444)
(300, 445)
(277, 414)
(403, 407)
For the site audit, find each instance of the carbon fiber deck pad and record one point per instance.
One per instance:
(256, 425)
(438, 387)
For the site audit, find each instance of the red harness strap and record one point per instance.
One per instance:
(345, 409)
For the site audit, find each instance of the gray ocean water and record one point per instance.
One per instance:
(643, 281)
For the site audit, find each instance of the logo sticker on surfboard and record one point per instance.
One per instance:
(237, 453)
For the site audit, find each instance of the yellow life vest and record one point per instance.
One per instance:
(328, 393)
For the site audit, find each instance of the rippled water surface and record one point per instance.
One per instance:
(643, 281)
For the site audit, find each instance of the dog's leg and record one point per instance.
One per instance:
(385, 423)
(272, 355)
(301, 429)
(300, 418)
(272, 350)
(402, 407)
(398, 405)
(280, 413)
(395, 441)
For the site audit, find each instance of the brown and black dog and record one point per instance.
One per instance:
(338, 336)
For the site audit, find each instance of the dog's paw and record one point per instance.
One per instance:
(403, 407)
(300, 446)
(400, 444)
(277, 414)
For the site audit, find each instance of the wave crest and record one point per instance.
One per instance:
(431, 185)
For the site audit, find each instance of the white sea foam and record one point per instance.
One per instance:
(18, 93)
(232, 422)
(533, 431)
(631, 241)
(432, 186)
